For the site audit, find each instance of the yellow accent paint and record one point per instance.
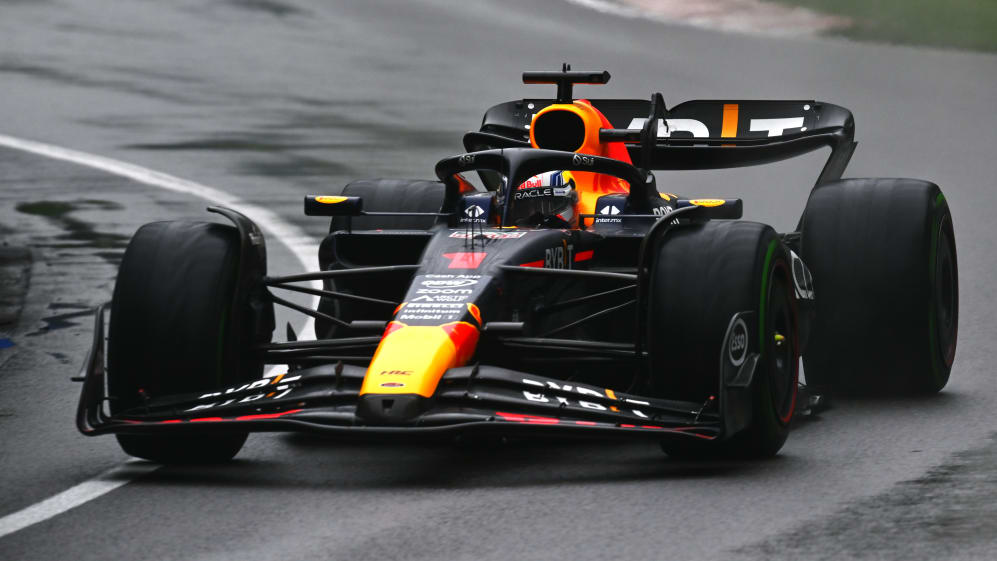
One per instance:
(729, 127)
(475, 312)
(707, 202)
(427, 351)
(612, 395)
(329, 200)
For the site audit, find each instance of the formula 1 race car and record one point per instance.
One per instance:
(543, 285)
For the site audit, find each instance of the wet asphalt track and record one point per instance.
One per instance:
(272, 99)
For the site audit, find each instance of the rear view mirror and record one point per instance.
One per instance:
(714, 208)
(329, 205)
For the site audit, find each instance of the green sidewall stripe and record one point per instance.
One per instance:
(764, 296)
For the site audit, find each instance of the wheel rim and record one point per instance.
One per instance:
(782, 341)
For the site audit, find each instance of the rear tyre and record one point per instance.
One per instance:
(703, 276)
(383, 195)
(170, 331)
(883, 257)
(393, 195)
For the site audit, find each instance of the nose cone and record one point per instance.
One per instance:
(390, 409)
(408, 366)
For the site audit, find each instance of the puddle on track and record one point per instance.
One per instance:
(79, 233)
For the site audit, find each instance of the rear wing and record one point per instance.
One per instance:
(702, 134)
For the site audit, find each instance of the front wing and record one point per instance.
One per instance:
(476, 399)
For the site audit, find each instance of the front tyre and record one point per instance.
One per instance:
(171, 331)
(703, 275)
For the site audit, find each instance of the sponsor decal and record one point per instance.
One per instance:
(474, 211)
(737, 346)
(443, 291)
(269, 388)
(466, 159)
(489, 235)
(432, 310)
(546, 179)
(393, 384)
(448, 283)
(329, 200)
(441, 298)
(698, 129)
(776, 127)
(450, 296)
(668, 126)
(541, 396)
(661, 210)
(534, 193)
(559, 257)
(475, 208)
(396, 373)
(707, 202)
(532, 183)
(465, 259)
(580, 160)
(554, 258)
(607, 211)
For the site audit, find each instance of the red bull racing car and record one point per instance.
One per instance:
(542, 284)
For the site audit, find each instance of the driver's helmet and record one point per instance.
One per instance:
(545, 200)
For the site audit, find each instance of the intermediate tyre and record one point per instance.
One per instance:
(883, 257)
(171, 331)
(393, 195)
(384, 195)
(703, 276)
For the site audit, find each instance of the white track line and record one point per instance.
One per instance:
(303, 247)
(75, 496)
